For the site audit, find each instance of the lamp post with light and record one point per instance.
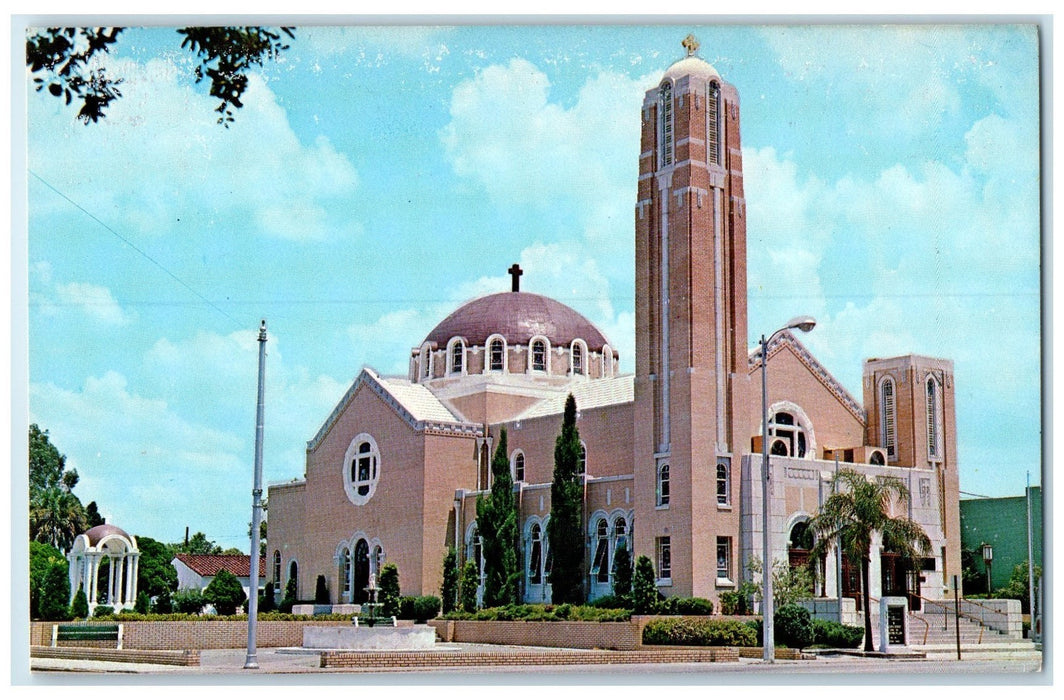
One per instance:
(988, 558)
(804, 324)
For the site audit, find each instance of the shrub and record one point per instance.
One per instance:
(830, 634)
(467, 589)
(103, 611)
(55, 593)
(734, 603)
(266, 600)
(687, 631)
(426, 607)
(289, 598)
(388, 595)
(163, 603)
(611, 601)
(686, 606)
(544, 613)
(622, 576)
(79, 608)
(142, 604)
(321, 591)
(793, 626)
(449, 588)
(644, 589)
(225, 593)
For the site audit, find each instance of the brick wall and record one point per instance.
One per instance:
(521, 657)
(197, 634)
(572, 635)
(137, 656)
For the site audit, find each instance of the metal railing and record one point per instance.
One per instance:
(947, 608)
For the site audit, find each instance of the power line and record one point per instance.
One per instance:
(125, 240)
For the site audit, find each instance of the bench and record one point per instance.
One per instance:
(87, 633)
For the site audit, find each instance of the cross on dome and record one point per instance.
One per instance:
(691, 44)
(515, 272)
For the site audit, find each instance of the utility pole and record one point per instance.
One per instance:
(256, 510)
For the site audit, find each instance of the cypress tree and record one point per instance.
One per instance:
(449, 589)
(467, 587)
(80, 607)
(497, 525)
(565, 530)
(644, 587)
(622, 574)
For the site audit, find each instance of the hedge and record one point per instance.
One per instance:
(836, 636)
(691, 631)
(545, 613)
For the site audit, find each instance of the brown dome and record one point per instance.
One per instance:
(99, 532)
(517, 317)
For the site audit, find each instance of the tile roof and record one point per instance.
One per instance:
(210, 564)
(594, 393)
(417, 400)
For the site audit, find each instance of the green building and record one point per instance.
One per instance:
(1002, 523)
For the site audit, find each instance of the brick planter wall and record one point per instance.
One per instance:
(135, 656)
(571, 635)
(212, 634)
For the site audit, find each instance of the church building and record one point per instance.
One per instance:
(671, 456)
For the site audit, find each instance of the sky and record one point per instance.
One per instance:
(378, 177)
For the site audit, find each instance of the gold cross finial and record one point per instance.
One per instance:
(691, 44)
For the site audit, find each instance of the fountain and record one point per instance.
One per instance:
(370, 631)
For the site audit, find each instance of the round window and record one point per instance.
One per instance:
(361, 469)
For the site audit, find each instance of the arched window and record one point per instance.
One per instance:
(378, 559)
(663, 485)
(933, 406)
(497, 354)
(577, 353)
(277, 568)
(293, 575)
(713, 124)
(600, 563)
(345, 573)
(535, 554)
(457, 356)
(474, 547)
(665, 124)
(620, 533)
(787, 435)
(581, 465)
(887, 424)
(362, 469)
(518, 470)
(362, 570)
(539, 355)
(723, 484)
(607, 361)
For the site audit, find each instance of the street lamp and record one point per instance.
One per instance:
(804, 324)
(988, 557)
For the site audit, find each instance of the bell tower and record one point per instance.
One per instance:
(691, 381)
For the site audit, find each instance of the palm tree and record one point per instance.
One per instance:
(56, 517)
(858, 508)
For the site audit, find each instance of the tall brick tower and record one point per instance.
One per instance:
(691, 329)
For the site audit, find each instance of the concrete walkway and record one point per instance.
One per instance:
(216, 663)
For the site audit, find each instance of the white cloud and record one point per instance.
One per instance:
(90, 301)
(508, 137)
(255, 178)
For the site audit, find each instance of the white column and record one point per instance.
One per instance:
(95, 578)
(135, 574)
(111, 581)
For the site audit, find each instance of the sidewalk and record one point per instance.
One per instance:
(230, 662)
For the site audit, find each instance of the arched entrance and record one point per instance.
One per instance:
(361, 572)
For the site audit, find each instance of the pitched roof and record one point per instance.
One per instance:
(594, 393)
(210, 564)
(414, 403)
